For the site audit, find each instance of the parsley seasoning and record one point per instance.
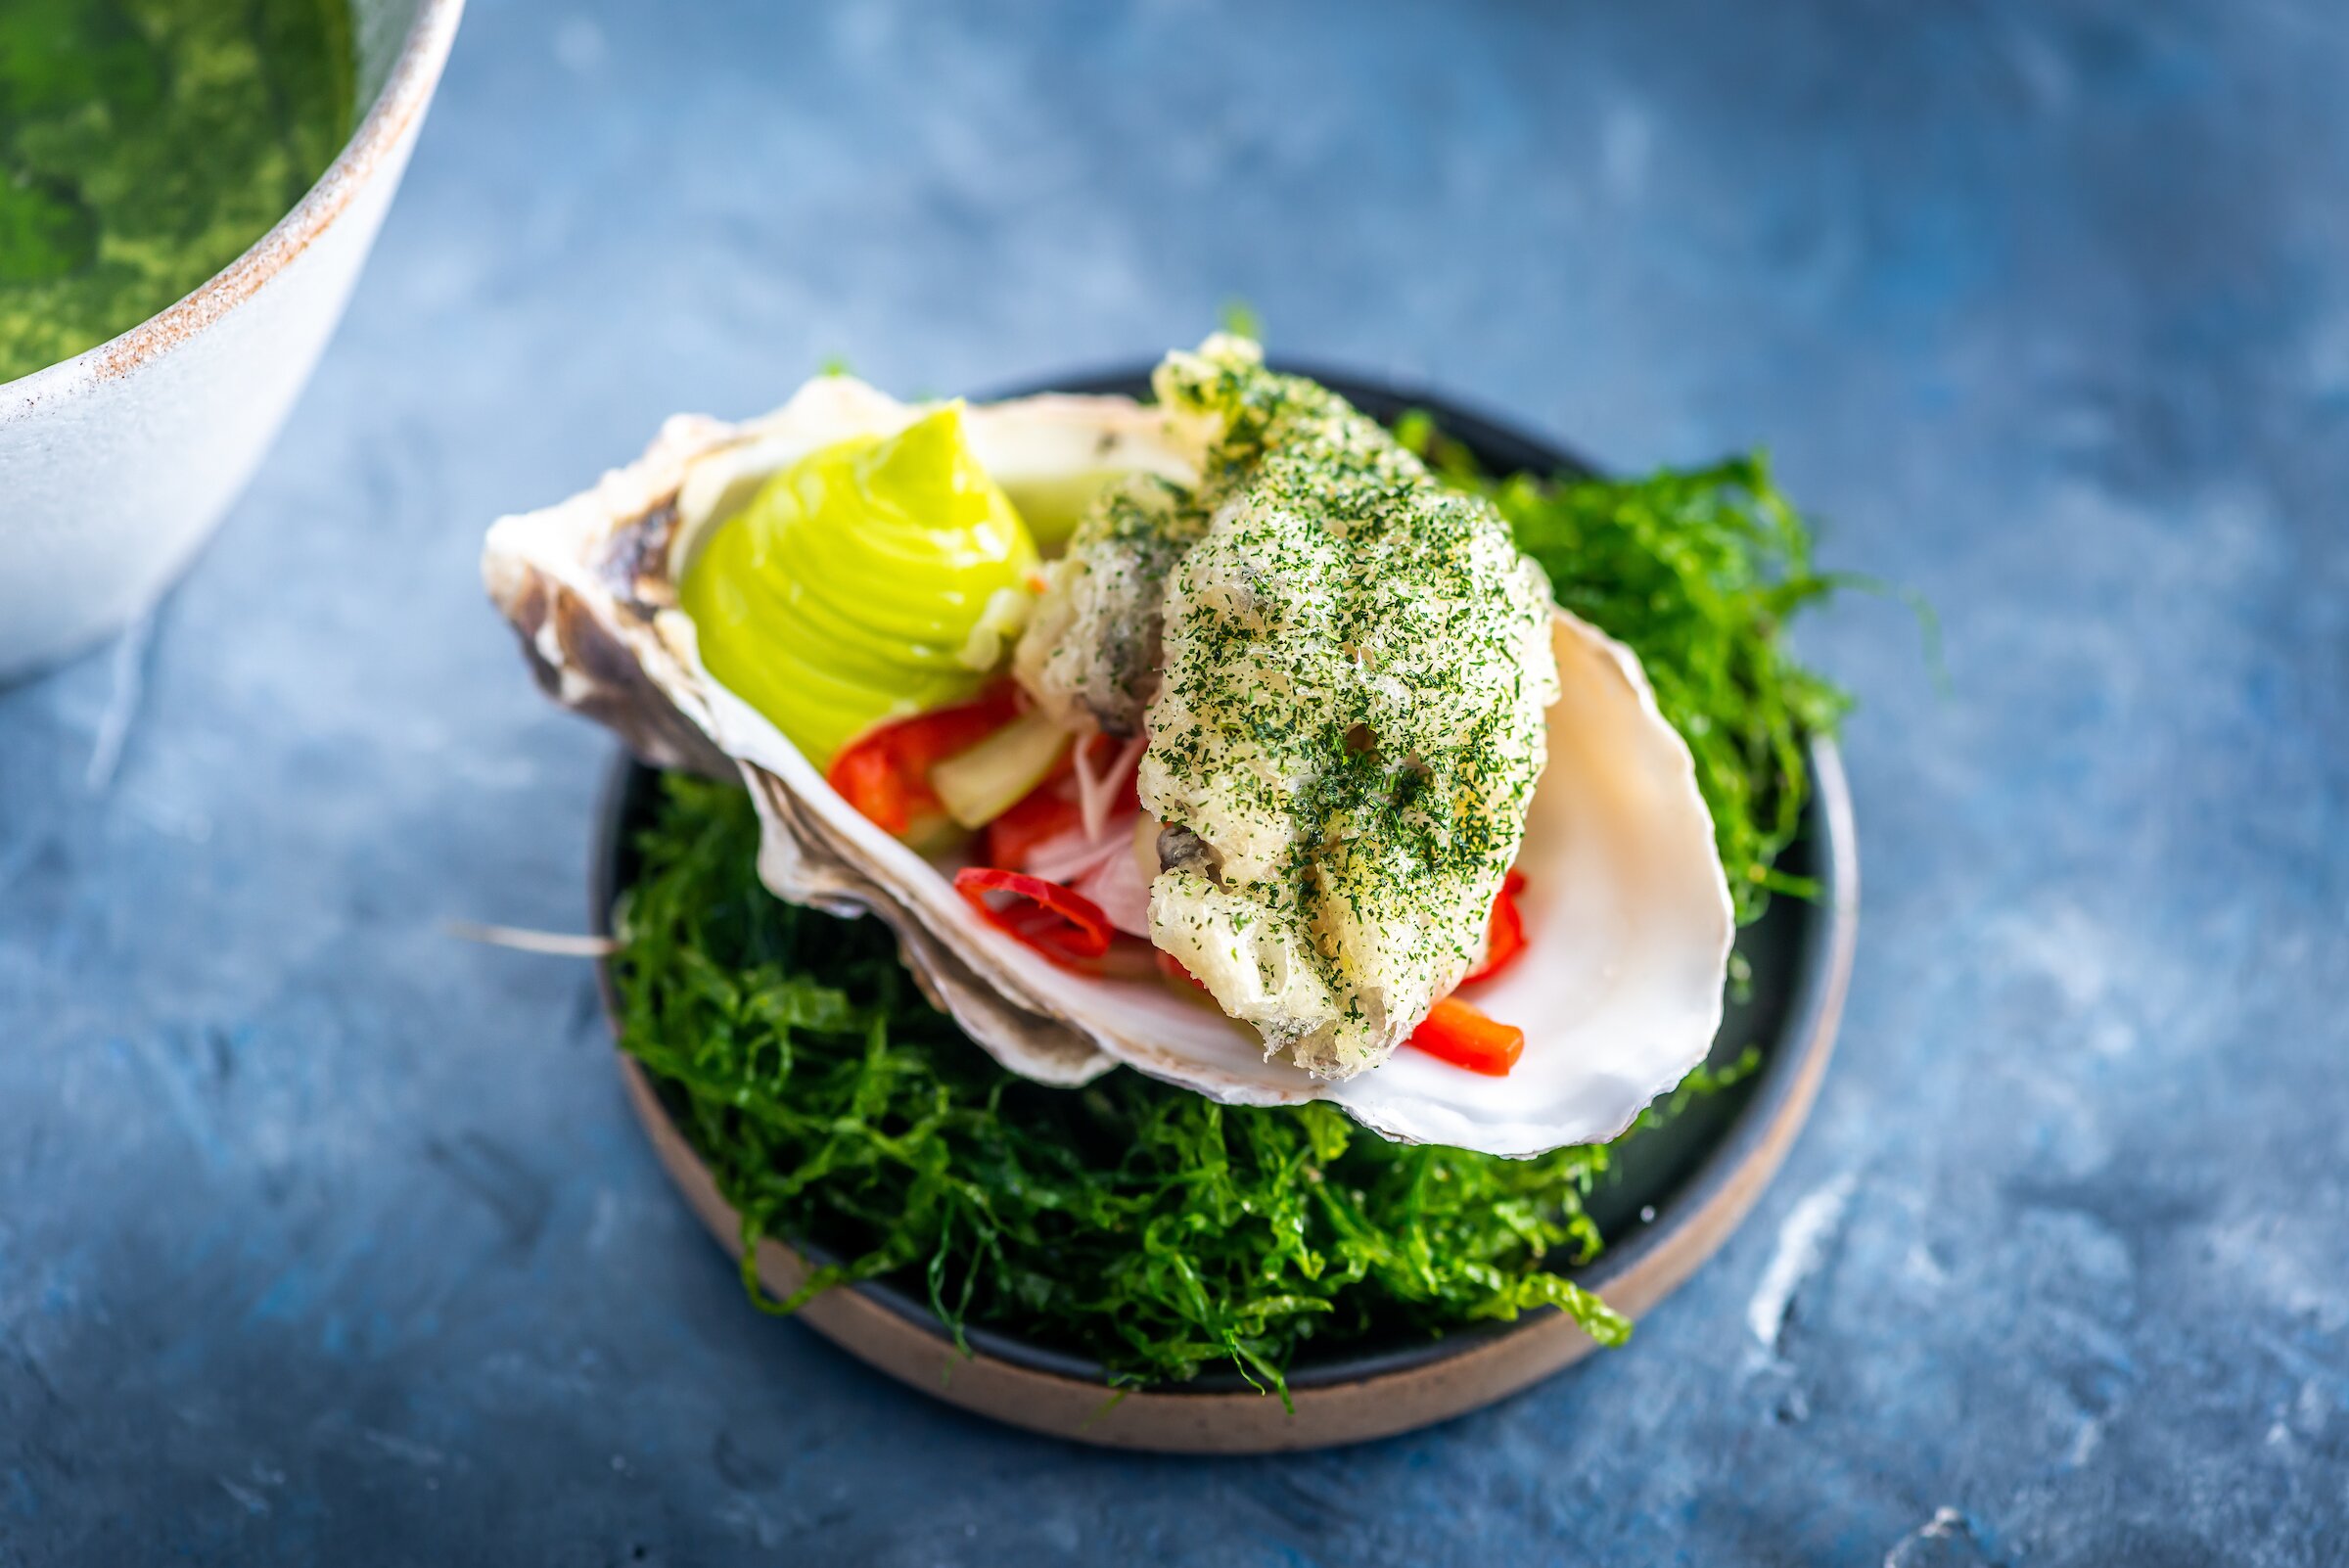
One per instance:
(1355, 663)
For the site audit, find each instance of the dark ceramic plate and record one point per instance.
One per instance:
(1674, 1194)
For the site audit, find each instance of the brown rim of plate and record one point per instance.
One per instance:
(407, 88)
(1346, 1398)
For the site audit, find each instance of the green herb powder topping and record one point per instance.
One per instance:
(1345, 665)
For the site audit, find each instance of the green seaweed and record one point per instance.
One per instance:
(144, 144)
(1698, 570)
(1142, 1225)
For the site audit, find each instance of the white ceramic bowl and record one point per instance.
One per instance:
(116, 464)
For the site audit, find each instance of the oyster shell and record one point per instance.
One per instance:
(1626, 907)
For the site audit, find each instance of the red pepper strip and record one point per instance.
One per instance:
(1043, 814)
(1504, 937)
(1049, 810)
(1057, 922)
(1458, 1034)
(885, 773)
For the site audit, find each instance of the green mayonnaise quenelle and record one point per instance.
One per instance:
(870, 580)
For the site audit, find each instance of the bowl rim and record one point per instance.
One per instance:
(1706, 1206)
(398, 104)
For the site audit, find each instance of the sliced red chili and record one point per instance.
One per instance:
(1504, 934)
(1460, 1034)
(1056, 921)
(885, 773)
(1040, 815)
(1052, 809)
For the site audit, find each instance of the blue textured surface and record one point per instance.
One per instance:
(324, 1238)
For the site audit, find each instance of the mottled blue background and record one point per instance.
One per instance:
(324, 1238)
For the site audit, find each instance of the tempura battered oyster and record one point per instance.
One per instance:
(1343, 665)
(1348, 683)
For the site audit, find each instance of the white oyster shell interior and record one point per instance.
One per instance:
(1627, 914)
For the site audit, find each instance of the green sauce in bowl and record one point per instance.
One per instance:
(144, 144)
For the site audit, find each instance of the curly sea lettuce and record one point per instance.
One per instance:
(1142, 1225)
(1137, 1222)
(1698, 570)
